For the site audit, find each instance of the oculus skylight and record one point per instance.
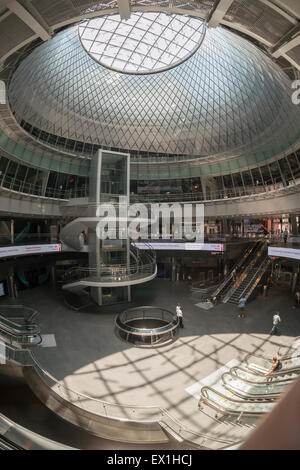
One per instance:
(145, 43)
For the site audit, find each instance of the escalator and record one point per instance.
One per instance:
(244, 391)
(228, 404)
(229, 282)
(252, 377)
(254, 390)
(250, 277)
(19, 331)
(7, 444)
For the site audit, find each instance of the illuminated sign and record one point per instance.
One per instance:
(281, 252)
(182, 246)
(16, 250)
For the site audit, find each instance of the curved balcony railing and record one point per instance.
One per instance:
(28, 239)
(142, 264)
(230, 193)
(133, 413)
(37, 189)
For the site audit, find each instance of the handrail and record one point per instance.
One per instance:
(35, 189)
(113, 271)
(206, 389)
(283, 371)
(234, 373)
(6, 444)
(230, 193)
(155, 414)
(17, 329)
(256, 396)
(138, 313)
(26, 333)
(259, 273)
(145, 263)
(213, 403)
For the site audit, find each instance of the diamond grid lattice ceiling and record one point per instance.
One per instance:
(227, 99)
(145, 43)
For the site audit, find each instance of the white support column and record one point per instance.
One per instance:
(219, 13)
(124, 9)
(16, 8)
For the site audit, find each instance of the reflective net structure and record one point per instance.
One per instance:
(228, 99)
(145, 43)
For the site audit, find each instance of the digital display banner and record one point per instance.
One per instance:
(281, 252)
(181, 246)
(16, 250)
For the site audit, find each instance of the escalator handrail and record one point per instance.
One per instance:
(6, 444)
(249, 258)
(262, 266)
(269, 380)
(282, 371)
(243, 394)
(206, 389)
(230, 275)
(229, 411)
(17, 329)
(248, 270)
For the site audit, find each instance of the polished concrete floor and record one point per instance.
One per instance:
(91, 359)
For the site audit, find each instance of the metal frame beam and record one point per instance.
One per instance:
(219, 13)
(280, 11)
(124, 9)
(292, 41)
(16, 8)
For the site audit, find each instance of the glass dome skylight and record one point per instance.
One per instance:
(145, 43)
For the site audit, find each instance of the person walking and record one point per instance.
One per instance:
(285, 236)
(242, 303)
(276, 321)
(179, 315)
(297, 297)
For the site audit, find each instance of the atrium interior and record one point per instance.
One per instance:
(149, 224)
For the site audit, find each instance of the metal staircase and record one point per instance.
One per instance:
(141, 268)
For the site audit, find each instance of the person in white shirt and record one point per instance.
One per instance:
(276, 321)
(179, 315)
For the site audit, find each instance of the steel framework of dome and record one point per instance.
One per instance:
(228, 99)
(145, 43)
